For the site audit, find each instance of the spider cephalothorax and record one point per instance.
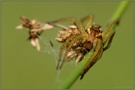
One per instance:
(78, 44)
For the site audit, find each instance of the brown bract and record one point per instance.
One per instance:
(35, 29)
(65, 33)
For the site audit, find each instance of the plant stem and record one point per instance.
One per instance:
(70, 80)
(120, 11)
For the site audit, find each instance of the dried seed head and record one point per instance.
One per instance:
(71, 55)
(35, 43)
(59, 39)
(35, 29)
(20, 27)
(64, 34)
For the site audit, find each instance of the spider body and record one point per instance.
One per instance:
(79, 49)
(88, 37)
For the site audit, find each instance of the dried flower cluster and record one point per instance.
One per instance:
(35, 29)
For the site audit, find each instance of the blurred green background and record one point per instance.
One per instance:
(25, 68)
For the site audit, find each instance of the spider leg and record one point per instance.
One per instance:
(90, 21)
(98, 52)
(85, 18)
(94, 58)
(59, 26)
(62, 48)
(77, 22)
(109, 36)
(108, 27)
(78, 37)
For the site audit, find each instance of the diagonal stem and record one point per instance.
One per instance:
(78, 70)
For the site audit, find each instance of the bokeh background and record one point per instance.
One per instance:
(25, 68)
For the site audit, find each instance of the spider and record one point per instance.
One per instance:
(76, 51)
(87, 37)
(35, 29)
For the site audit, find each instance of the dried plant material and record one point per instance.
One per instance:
(35, 29)
(35, 43)
(65, 33)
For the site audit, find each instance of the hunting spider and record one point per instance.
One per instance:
(35, 29)
(83, 40)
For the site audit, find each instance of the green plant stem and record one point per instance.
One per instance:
(70, 80)
(120, 12)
